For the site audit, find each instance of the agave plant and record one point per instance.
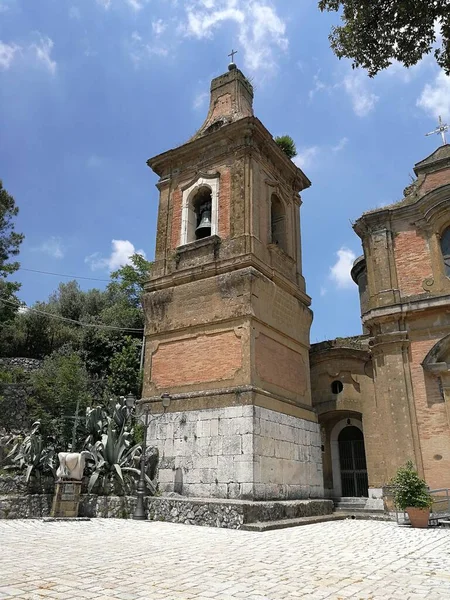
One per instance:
(34, 454)
(116, 458)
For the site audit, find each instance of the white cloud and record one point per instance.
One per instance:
(340, 145)
(259, 28)
(158, 27)
(140, 49)
(122, 250)
(7, 54)
(42, 51)
(363, 101)
(305, 157)
(435, 97)
(340, 271)
(105, 3)
(135, 4)
(53, 247)
(74, 13)
(323, 290)
(200, 100)
(318, 86)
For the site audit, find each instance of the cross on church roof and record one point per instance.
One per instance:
(233, 52)
(441, 128)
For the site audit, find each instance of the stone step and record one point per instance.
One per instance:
(351, 508)
(371, 515)
(284, 523)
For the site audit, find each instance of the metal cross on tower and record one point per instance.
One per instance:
(442, 128)
(233, 52)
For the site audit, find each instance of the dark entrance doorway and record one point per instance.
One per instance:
(352, 457)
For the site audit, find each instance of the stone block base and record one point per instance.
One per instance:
(66, 499)
(238, 452)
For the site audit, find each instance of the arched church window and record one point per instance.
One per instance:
(445, 249)
(277, 222)
(199, 219)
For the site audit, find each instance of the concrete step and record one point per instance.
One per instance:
(284, 523)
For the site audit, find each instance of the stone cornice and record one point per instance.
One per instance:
(327, 354)
(225, 266)
(406, 307)
(247, 132)
(423, 212)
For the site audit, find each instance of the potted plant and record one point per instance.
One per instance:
(411, 495)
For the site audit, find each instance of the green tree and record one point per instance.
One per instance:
(124, 375)
(286, 143)
(60, 390)
(10, 242)
(376, 32)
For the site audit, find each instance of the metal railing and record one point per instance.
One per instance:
(440, 509)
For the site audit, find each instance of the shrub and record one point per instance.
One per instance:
(409, 490)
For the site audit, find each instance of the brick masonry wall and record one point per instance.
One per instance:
(200, 359)
(432, 418)
(434, 180)
(412, 259)
(177, 200)
(280, 365)
(224, 203)
(242, 452)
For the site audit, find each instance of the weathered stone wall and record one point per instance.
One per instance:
(287, 455)
(27, 506)
(213, 513)
(26, 364)
(13, 406)
(13, 396)
(238, 452)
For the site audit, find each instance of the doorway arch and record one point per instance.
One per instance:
(348, 459)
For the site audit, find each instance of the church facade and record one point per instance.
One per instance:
(256, 413)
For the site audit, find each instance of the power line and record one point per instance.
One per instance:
(53, 316)
(63, 275)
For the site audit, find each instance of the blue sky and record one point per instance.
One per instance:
(90, 89)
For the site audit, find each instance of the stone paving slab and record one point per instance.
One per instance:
(108, 559)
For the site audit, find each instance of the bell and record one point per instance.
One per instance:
(204, 228)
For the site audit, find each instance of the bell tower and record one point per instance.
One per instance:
(227, 315)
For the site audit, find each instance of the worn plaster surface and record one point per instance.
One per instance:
(107, 559)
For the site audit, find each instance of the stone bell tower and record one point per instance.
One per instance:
(227, 315)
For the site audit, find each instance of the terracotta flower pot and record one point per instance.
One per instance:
(418, 516)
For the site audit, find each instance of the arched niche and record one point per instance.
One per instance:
(278, 227)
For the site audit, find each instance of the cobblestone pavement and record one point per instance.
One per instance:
(107, 559)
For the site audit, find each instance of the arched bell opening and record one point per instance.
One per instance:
(201, 205)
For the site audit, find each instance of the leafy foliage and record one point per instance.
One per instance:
(286, 143)
(60, 389)
(116, 455)
(123, 368)
(34, 453)
(377, 32)
(84, 366)
(409, 490)
(10, 242)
